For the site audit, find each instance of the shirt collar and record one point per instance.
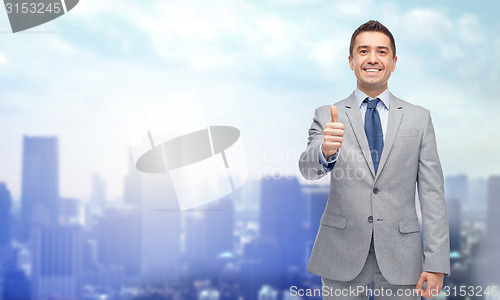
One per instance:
(385, 97)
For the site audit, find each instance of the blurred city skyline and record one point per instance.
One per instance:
(253, 244)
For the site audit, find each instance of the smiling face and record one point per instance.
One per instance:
(372, 62)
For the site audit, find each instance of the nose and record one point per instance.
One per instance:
(372, 57)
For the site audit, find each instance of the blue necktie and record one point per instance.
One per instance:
(373, 130)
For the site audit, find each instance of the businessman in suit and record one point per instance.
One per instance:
(378, 150)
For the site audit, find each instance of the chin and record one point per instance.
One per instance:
(372, 83)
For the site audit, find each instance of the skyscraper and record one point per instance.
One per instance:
(15, 285)
(209, 233)
(317, 196)
(95, 208)
(119, 238)
(40, 183)
(132, 186)
(478, 190)
(69, 210)
(457, 198)
(5, 217)
(485, 264)
(160, 230)
(457, 187)
(57, 254)
(5, 226)
(493, 208)
(454, 220)
(98, 194)
(283, 215)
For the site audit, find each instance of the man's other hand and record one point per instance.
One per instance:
(434, 284)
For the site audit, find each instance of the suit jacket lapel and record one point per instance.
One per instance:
(354, 115)
(395, 116)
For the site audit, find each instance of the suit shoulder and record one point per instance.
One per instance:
(322, 113)
(415, 109)
(339, 104)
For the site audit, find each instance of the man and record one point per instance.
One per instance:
(378, 149)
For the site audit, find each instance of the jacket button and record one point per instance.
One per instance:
(370, 219)
(375, 191)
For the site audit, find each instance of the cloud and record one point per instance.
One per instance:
(426, 25)
(471, 31)
(3, 59)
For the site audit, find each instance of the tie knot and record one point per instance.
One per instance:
(372, 103)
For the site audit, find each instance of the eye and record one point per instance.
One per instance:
(382, 52)
(363, 51)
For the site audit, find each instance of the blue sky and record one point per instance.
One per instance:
(261, 66)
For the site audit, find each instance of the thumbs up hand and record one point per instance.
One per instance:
(333, 134)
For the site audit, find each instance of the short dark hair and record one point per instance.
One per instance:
(373, 26)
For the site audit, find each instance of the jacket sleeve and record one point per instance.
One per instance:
(430, 184)
(309, 161)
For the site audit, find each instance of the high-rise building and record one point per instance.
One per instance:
(493, 221)
(57, 254)
(98, 194)
(209, 234)
(95, 207)
(250, 277)
(119, 238)
(457, 198)
(69, 211)
(15, 285)
(478, 190)
(317, 197)
(40, 183)
(5, 216)
(247, 206)
(5, 226)
(454, 220)
(485, 266)
(457, 187)
(160, 230)
(132, 185)
(283, 219)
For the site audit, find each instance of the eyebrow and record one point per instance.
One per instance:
(366, 46)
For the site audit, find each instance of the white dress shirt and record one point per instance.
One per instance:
(383, 110)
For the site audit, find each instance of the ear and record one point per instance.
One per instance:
(351, 63)
(394, 63)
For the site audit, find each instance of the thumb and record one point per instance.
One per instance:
(334, 113)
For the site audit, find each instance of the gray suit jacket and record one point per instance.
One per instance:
(361, 201)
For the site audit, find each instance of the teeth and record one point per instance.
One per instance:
(373, 70)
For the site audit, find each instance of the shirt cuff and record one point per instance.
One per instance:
(331, 161)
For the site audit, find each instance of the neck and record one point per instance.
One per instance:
(372, 92)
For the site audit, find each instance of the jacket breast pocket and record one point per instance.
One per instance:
(408, 132)
(333, 221)
(409, 226)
